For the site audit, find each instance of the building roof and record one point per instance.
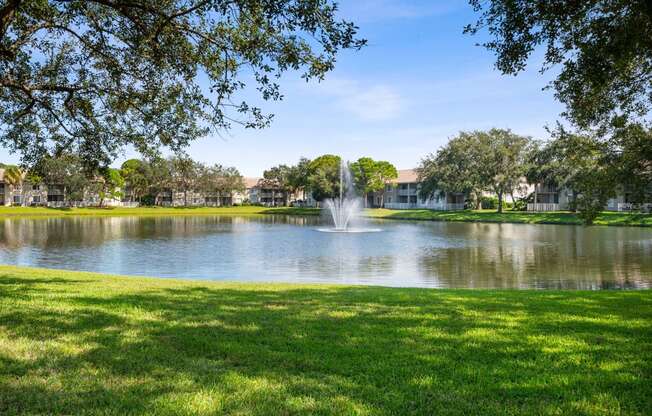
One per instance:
(251, 182)
(406, 176)
(2, 174)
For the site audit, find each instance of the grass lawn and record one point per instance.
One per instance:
(82, 343)
(560, 217)
(151, 211)
(556, 217)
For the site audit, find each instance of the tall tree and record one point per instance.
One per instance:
(501, 157)
(66, 171)
(221, 181)
(579, 164)
(474, 162)
(112, 185)
(93, 76)
(324, 177)
(184, 174)
(453, 168)
(385, 172)
(277, 179)
(298, 176)
(161, 177)
(631, 153)
(371, 175)
(601, 47)
(137, 175)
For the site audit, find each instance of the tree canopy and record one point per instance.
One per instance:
(371, 175)
(324, 177)
(601, 47)
(474, 162)
(578, 164)
(93, 76)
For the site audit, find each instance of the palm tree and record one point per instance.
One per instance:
(13, 176)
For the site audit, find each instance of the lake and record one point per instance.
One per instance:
(291, 249)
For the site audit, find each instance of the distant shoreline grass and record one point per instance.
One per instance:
(490, 216)
(86, 343)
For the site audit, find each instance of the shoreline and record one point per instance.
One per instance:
(606, 218)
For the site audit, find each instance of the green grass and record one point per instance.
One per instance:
(151, 211)
(556, 217)
(82, 343)
(560, 217)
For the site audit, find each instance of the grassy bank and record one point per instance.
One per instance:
(561, 217)
(81, 343)
(151, 211)
(520, 217)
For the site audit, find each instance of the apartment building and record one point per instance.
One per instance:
(553, 198)
(403, 193)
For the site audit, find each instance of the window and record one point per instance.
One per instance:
(36, 199)
(16, 199)
(36, 187)
(55, 198)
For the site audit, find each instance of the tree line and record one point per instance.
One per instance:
(145, 181)
(321, 177)
(588, 166)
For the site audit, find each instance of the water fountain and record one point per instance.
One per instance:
(347, 207)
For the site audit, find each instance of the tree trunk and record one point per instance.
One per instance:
(500, 201)
(185, 197)
(366, 196)
(511, 194)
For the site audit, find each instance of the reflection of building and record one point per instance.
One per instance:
(403, 193)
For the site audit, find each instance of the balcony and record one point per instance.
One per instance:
(543, 207)
(628, 206)
(433, 206)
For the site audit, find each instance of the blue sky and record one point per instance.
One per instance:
(418, 83)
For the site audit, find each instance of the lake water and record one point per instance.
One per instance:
(291, 249)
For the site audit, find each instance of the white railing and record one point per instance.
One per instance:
(542, 207)
(628, 206)
(432, 206)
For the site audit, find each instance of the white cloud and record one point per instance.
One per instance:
(377, 102)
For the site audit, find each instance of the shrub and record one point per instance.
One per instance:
(489, 202)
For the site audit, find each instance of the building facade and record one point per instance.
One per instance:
(404, 193)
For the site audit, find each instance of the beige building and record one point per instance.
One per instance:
(553, 198)
(403, 193)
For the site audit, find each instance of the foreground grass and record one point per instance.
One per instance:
(81, 343)
(561, 217)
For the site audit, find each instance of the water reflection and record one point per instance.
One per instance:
(289, 249)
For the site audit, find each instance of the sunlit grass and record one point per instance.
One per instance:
(556, 217)
(82, 343)
(559, 217)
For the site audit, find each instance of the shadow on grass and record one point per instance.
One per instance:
(348, 350)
